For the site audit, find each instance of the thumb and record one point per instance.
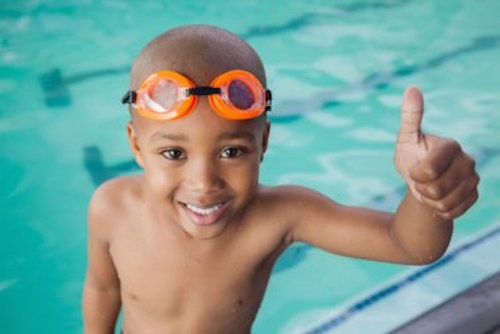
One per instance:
(412, 112)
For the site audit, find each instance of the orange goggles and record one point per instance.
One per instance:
(168, 95)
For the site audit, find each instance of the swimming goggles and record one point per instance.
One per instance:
(168, 95)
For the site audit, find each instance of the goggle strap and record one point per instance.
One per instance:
(129, 97)
(269, 98)
(203, 90)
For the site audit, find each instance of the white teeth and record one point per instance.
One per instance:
(203, 211)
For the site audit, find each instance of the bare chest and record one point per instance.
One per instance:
(163, 279)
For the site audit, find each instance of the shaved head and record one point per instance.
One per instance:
(200, 52)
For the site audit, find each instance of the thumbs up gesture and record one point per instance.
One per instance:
(439, 174)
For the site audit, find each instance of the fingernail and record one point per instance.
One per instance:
(411, 98)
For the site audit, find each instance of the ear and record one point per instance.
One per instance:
(134, 144)
(265, 139)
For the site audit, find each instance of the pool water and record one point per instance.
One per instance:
(337, 71)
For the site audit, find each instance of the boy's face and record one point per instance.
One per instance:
(201, 171)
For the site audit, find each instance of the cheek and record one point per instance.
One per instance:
(244, 178)
(160, 180)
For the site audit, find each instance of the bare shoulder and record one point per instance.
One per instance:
(290, 204)
(114, 194)
(110, 201)
(292, 197)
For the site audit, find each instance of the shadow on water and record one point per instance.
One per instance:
(99, 172)
(56, 87)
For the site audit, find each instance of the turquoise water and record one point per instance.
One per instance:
(337, 71)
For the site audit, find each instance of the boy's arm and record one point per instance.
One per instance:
(442, 186)
(101, 292)
(412, 235)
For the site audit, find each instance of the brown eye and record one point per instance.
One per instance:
(173, 154)
(232, 152)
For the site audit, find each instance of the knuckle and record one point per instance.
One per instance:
(462, 209)
(457, 213)
(473, 182)
(442, 207)
(430, 173)
(452, 145)
(470, 163)
(477, 179)
(435, 191)
(474, 197)
(456, 146)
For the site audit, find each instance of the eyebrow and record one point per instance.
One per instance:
(237, 135)
(170, 136)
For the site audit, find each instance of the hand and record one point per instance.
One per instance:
(438, 172)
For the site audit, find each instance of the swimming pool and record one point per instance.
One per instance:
(337, 71)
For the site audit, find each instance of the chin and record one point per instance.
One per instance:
(203, 232)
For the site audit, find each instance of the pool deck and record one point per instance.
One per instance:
(460, 293)
(475, 310)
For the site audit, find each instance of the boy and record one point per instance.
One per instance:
(188, 247)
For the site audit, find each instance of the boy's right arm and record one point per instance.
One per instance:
(101, 292)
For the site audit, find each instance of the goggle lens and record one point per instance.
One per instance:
(240, 95)
(161, 97)
(165, 93)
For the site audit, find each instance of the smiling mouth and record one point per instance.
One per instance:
(204, 211)
(205, 215)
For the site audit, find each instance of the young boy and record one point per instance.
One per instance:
(188, 247)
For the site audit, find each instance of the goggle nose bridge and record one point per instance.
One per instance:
(203, 91)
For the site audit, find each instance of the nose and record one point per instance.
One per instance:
(203, 176)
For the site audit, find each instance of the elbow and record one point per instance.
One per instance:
(426, 259)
